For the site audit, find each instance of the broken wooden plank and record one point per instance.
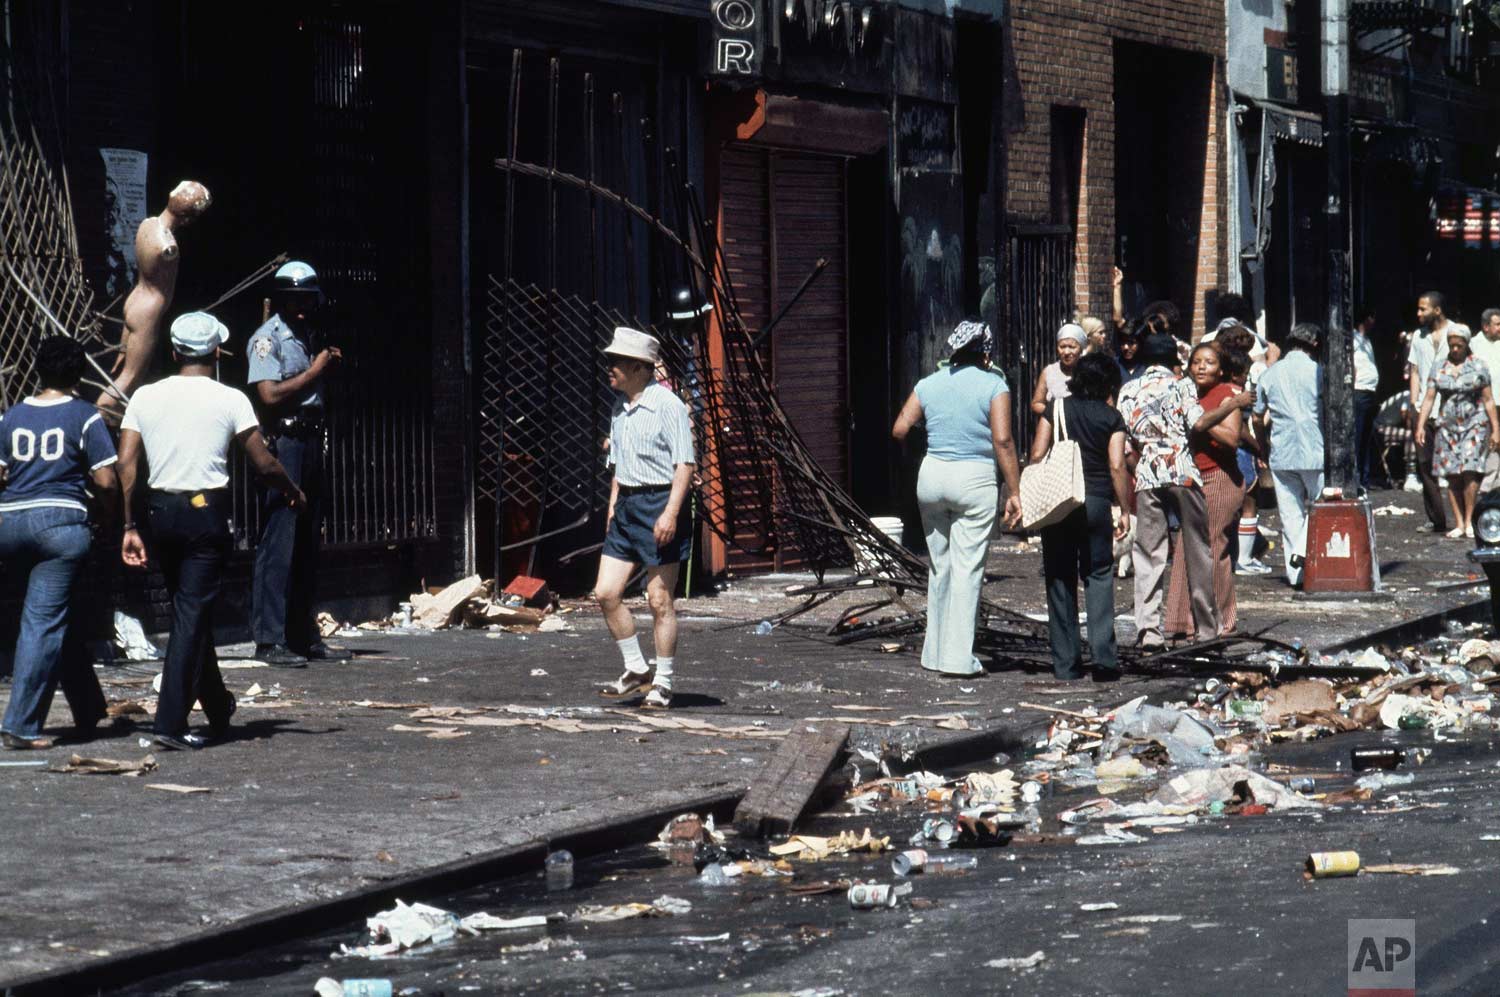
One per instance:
(789, 780)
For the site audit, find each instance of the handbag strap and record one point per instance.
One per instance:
(1060, 419)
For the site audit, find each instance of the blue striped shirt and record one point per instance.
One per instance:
(649, 437)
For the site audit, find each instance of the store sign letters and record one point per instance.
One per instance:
(737, 37)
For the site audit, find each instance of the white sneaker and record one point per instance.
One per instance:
(1253, 567)
(1413, 484)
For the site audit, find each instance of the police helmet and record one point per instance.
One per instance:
(297, 276)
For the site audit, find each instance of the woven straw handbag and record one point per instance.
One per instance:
(1053, 487)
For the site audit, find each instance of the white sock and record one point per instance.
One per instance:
(630, 650)
(664, 672)
(1249, 531)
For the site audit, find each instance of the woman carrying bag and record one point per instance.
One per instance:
(1081, 543)
(966, 408)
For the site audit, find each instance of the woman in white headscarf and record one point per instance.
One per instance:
(966, 409)
(1053, 382)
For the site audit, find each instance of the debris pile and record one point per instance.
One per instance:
(525, 605)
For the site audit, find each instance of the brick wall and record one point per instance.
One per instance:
(1064, 54)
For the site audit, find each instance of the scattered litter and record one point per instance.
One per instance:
(1021, 962)
(811, 848)
(402, 927)
(82, 765)
(660, 907)
(1413, 869)
(327, 986)
(489, 922)
(172, 787)
(1394, 510)
(1328, 865)
(537, 673)
(868, 896)
(1107, 905)
(704, 939)
(130, 638)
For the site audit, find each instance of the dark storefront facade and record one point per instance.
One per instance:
(363, 137)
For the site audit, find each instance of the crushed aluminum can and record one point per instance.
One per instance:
(937, 829)
(1031, 792)
(909, 862)
(1302, 784)
(907, 789)
(1327, 865)
(868, 896)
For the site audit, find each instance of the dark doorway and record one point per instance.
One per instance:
(1067, 164)
(1162, 107)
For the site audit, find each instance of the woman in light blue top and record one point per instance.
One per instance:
(966, 409)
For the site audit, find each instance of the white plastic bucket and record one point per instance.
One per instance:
(889, 525)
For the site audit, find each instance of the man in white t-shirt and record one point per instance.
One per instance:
(1428, 343)
(1486, 347)
(185, 424)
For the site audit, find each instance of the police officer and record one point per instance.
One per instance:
(183, 425)
(288, 381)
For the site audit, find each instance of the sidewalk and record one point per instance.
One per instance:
(315, 795)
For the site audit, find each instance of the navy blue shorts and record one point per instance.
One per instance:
(631, 535)
(1248, 472)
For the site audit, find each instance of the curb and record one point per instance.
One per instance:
(1418, 628)
(283, 924)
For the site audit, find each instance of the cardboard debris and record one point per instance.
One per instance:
(812, 848)
(131, 708)
(83, 765)
(433, 612)
(1295, 698)
(1020, 962)
(489, 922)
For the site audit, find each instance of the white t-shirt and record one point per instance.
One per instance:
(187, 425)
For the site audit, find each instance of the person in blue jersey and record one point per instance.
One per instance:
(53, 446)
(966, 409)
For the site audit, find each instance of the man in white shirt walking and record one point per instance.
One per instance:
(1428, 343)
(184, 426)
(1366, 392)
(1486, 347)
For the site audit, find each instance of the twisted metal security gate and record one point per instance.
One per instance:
(1041, 300)
(42, 291)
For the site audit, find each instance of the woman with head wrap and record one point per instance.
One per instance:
(1467, 429)
(1053, 382)
(966, 409)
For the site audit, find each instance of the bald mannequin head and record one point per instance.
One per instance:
(188, 200)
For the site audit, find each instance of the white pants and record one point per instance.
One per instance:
(957, 500)
(1295, 493)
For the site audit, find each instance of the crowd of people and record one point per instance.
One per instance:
(170, 482)
(1177, 441)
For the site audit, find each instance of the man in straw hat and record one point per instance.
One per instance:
(651, 451)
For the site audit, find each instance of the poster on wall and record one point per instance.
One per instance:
(124, 208)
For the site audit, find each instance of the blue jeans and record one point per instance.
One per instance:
(48, 545)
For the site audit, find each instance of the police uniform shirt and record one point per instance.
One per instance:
(276, 354)
(649, 437)
(186, 426)
(48, 447)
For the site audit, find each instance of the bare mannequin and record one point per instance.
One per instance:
(156, 258)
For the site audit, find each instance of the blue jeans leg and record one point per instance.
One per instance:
(50, 544)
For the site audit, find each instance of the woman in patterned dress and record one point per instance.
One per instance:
(1467, 429)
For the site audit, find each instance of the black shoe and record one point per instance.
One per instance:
(180, 742)
(279, 656)
(218, 728)
(1102, 675)
(322, 652)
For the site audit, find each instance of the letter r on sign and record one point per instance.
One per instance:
(735, 55)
